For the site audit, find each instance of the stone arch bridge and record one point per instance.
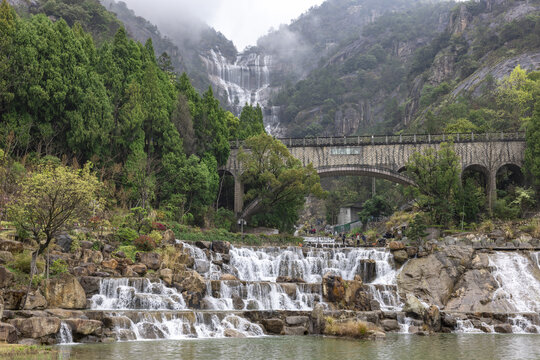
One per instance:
(386, 156)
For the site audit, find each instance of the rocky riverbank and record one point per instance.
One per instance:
(212, 289)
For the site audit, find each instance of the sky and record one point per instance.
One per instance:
(242, 21)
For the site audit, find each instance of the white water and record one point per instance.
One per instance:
(129, 294)
(65, 336)
(519, 289)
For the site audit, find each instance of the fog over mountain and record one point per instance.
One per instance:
(242, 21)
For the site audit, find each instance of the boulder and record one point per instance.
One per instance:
(433, 277)
(503, 328)
(6, 278)
(193, 289)
(90, 285)
(295, 331)
(108, 249)
(83, 326)
(64, 241)
(202, 266)
(66, 314)
(13, 298)
(347, 294)
(390, 325)
(168, 237)
(110, 264)
(238, 302)
(92, 256)
(401, 256)
(150, 331)
(396, 245)
(432, 318)
(139, 269)
(414, 307)
(35, 301)
(289, 289)
(474, 292)
(1, 307)
(120, 322)
(36, 327)
(65, 292)
(274, 326)
(288, 279)
(6, 257)
(317, 318)
(151, 260)
(11, 246)
(84, 269)
(222, 247)
(167, 276)
(232, 333)
(120, 254)
(8, 333)
(296, 320)
(205, 245)
(252, 305)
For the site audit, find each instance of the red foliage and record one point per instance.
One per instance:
(145, 243)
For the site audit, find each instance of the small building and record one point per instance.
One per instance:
(349, 214)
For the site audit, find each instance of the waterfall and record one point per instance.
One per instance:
(64, 335)
(519, 289)
(129, 294)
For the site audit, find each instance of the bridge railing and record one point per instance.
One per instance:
(395, 139)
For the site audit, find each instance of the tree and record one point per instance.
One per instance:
(373, 208)
(436, 175)
(53, 199)
(532, 151)
(277, 182)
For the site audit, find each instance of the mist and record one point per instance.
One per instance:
(242, 21)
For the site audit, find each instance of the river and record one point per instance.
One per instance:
(435, 347)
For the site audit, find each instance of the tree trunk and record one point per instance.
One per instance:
(33, 270)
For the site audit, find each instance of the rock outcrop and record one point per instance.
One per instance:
(65, 292)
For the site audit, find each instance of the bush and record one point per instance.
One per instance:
(156, 236)
(355, 329)
(224, 219)
(126, 235)
(128, 250)
(145, 243)
(159, 226)
(58, 267)
(22, 262)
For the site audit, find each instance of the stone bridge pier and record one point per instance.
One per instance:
(386, 157)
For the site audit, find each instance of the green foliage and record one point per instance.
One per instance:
(532, 151)
(436, 175)
(126, 235)
(277, 181)
(58, 267)
(129, 250)
(22, 262)
(224, 219)
(416, 231)
(375, 207)
(156, 237)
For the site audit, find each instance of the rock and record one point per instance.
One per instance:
(6, 278)
(433, 277)
(29, 342)
(205, 245)
(252, 305)
(226, 258)
(433, 318)
(36, 327)
(474, 292)
(108, 249)
(120, 254)
(139, 269)
(150, 331)
(83, 326)
(289, 289)
(503, 328)
(413, 307)
(274, 326)
(193, 289)
(347, 294)
(396, 245)
(35, 301)
(92, 256)
(11, 246)
(202, 266)
(121, 322)
(168, 237)
(296, 320)
(90, 285)
(448, 321)
(110, 264)
(8, 333)
(13, 299)
(65, 292)
(390, 325)
(229, 277)
(295, 331)
(238, 303)
(151, 260)
(412, 251)
(401, 256)
(288, 279)
(374, 305)
(317, 318)
(85, 244)
(167, 276)
(376, 335)
(222, 247)
(232, 333)
(6, 257)
(66, 314)
(84, 269)
(64, 241)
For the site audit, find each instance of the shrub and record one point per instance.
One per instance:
(126, 235)
(145, 243)
(156, 236)
(58, 267)
(351, 328)
(158, 226)
(22, 261)
(128, 250)
(532, 228)
(224, 219)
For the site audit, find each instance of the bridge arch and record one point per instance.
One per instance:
(509, 174)
(363, 170)
(479, 173)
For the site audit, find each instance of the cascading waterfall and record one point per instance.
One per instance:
(519, 289)
(65, 335)
(131, 294)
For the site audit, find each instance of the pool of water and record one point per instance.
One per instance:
(443, 346)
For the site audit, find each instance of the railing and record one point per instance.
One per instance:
(394, 139)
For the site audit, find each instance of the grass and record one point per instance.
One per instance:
(14, 351)
(194, 234)
(351, 328)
